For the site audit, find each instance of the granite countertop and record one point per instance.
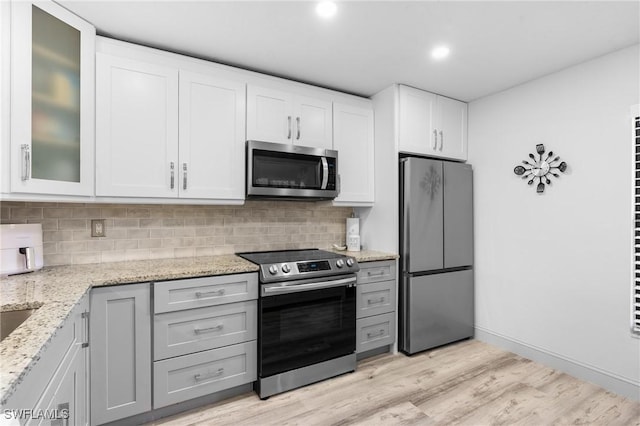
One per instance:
(56, 290)
(367, 255)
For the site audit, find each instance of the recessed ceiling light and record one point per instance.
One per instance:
(440, 52)
(326, 9)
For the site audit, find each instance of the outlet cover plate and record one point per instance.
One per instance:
(97, 228)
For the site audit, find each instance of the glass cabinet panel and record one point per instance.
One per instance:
(55, 88)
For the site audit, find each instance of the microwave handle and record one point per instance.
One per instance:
(325, 173)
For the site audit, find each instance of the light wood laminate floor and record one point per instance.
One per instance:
(467, 383)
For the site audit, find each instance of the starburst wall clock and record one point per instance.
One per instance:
(540, 169)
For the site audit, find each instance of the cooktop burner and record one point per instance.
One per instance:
(285, 265)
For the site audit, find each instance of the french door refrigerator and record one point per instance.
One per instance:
(436, 253)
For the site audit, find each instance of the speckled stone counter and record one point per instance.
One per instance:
(368, 255)
(56, 290)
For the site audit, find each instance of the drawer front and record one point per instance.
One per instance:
(183, 332)
(371, 272)
(206, 291)
(374, 332)
(376, 298)
(190, 376)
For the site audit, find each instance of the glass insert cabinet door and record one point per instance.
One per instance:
(52, 100)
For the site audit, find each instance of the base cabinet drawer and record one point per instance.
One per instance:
(190, 376)
(375, 298)
(371, 272)
(205, 291)
(194, 330)
(374, 332)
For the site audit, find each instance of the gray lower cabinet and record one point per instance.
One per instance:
(376, 305)
(120, 331)
(60, 378)
(202, 373)
(205, 332)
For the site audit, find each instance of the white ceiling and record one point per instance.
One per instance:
(369, 45)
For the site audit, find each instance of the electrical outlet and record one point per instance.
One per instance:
(97, 228)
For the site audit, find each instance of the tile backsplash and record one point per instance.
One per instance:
(136, 231)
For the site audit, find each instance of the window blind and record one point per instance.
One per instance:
(635, 308)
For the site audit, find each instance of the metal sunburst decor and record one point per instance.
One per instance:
(540, 169)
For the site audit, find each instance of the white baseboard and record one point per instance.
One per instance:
(607, 380)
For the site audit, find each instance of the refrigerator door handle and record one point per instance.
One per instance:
(406, 232)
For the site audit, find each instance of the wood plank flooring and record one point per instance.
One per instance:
(467, 383)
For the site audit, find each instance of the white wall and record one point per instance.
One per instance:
(553, 271)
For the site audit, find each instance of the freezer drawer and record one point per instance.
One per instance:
(435, 310)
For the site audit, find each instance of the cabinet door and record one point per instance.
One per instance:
(52, 100)
(136, 128)
(353, 138)
(212, 137)
(68, 394)
(120, 332)
(416, 121)
(452, 128)
(269, 115)
(312, 122)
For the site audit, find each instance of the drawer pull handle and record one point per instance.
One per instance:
(201, 377)
(375, 274)
(208, 329)
(378, 334)
(200, 294)
(375, 301)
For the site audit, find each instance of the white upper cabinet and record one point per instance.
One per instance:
(52, 100)
(416, 121)
(166, 131)
(284, 117)
(212, 129)
(452, 128)
(431, 124)
(353, 138)
(136, 128)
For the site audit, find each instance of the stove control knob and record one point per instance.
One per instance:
(286, 269)
(273, 269)
(340, 263)
(349, 262)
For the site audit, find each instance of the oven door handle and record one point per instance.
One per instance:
(267, 290)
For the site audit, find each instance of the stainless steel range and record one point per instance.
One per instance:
(306, 317)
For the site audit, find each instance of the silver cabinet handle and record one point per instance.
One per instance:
(201, 377)
(26, 161)
(441, 140)
(435, 139)
(184, 176)
(289, 125)
(85, 316)
(375, 274)
(298, 128)
(379, 333)
(208, 329)
(172, 168)
(200, 294)
(375, 301)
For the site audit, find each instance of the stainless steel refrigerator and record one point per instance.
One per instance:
(436, 253)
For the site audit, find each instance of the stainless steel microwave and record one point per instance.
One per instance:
(277, 170)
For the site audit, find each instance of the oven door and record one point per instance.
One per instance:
(290, 171)
(302, 326)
